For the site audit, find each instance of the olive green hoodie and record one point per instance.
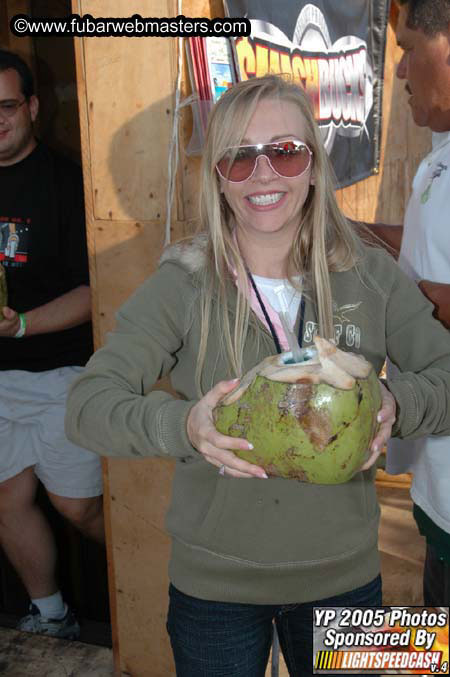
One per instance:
(250, 540)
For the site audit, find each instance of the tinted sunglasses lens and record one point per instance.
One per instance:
(288, 158)
(239, 167)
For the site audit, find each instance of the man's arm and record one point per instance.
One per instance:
(439, 294)
(389, 237)
(64, 312)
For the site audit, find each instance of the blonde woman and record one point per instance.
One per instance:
(248, 549)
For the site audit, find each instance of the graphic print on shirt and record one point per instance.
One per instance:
(14, 242)
(343, 328)
(440, 167)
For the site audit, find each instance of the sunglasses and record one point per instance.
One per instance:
(289, 159)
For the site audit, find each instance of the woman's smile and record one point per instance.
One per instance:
(265, 201)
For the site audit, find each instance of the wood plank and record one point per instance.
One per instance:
(140, 494)
(90, 226)
(129, 86)
(126, 108)
(384, 479)
(23, 654)
(402, 549)
(126, 253)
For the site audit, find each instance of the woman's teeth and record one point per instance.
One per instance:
(268, 199)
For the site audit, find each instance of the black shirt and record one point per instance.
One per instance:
(43, 250)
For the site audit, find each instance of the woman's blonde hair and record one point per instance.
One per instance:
(324, 241)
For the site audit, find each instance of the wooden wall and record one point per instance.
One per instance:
(126, 106)
(126, 97)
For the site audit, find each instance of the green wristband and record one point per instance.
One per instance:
(23, 326)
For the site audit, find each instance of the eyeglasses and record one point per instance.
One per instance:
(10, 107)
(289, 159)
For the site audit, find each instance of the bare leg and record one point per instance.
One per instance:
(86, 514)
(26, 536)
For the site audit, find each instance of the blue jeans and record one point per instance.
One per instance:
(226, 639)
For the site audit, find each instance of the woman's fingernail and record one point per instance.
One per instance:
(375, 447)
(379, 418)
(264, 476)
(250, 445)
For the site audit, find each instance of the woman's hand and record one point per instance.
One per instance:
(213, 445)
(386, 416)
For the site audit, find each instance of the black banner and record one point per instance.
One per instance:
(335, 50)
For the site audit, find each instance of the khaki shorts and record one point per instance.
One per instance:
(32, 409)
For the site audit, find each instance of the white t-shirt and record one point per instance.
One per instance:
(425, 254)
(280, 294)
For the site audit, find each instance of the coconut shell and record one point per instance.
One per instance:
(312, 421)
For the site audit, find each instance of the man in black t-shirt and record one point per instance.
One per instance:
(45, 340)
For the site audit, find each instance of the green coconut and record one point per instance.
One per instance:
(3, 291)
(312, 421)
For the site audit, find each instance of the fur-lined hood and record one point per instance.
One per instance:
(189, 253)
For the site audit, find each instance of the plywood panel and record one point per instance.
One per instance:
(139, 497)
(25, 654)
(126, 104)
(129, 86)
(126, 252)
